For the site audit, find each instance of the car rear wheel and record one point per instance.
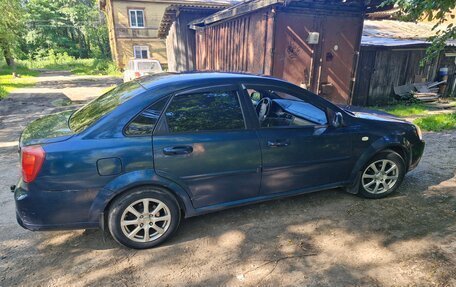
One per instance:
(143, 218)
(382, 175)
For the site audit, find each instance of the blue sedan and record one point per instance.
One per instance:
(150, 152)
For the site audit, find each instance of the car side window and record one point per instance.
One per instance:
(276, 108)
(144, 123)
(206, 111)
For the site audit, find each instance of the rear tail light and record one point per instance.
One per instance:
(32, 158)
(137, 74)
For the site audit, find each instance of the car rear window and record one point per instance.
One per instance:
(149, 66)
(90, 113)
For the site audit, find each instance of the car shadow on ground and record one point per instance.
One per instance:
(276, 236)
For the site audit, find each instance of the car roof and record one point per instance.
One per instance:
(186, 78)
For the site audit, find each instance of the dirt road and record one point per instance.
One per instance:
(323, 239)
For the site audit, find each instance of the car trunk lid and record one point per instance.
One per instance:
(48, 129)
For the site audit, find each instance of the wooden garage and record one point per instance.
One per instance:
(180, 39)
(311, 43)
(391, 55)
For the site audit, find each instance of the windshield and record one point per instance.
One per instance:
(90, 113)
(303, 110)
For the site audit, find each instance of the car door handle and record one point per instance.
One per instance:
(178, 150)
(278, 143)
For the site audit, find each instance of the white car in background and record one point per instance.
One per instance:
(140, 67)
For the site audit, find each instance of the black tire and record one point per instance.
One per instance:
(119, 206)
(388, 155)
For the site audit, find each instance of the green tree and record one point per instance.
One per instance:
(71, 26)
(441, 12)
(11, 28)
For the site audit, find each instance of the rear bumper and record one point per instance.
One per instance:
(45, 227)
(37, 212)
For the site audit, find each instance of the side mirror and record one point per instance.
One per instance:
(338, 120)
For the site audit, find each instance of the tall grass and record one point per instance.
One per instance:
(76, 66)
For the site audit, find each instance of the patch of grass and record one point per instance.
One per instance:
(405, 110)
(8, 83)
(452, 103)
(96, 67)
(61, 62)
(437, 123)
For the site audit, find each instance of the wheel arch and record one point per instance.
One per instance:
(135, 180)
(400, 150)
(160, 187)
(355, 177)
(399, 147)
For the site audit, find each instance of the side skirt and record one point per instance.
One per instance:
(262, 198)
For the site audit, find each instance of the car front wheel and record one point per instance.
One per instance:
(143, 218)
(382, 175)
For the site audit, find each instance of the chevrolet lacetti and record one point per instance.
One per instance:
(164, 147)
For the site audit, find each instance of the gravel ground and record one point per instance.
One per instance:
(328, 238)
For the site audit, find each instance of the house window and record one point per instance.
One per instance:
(136, 18)
(141, 52)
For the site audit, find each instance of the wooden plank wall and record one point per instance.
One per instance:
(181, 44)
(381, 69)
(171, 50)
(236, 45)
(449, 62)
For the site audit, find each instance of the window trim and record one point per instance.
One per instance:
(140, 47)
(246, 86)
(136, 15)
(166, 98)
(162, 124)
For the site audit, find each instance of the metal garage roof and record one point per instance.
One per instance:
(391, 33)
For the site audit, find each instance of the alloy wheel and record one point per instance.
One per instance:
(145, 220)
(380, 176)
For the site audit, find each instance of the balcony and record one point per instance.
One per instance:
(146, 32)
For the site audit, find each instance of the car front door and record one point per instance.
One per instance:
(203, 143)
(300, 152)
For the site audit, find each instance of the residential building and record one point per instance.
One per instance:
(133, 27)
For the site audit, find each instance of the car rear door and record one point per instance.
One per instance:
(204, 143)
(308, 156)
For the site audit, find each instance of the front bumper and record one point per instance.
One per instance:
(417, 151)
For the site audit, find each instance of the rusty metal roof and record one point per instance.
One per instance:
(189, 5)
(398, 33)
